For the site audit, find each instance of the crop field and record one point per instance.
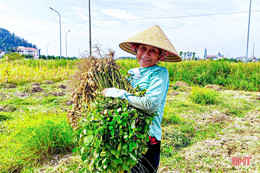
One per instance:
(210, 124)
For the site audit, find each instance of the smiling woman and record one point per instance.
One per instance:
(149, 46)
(147, 55)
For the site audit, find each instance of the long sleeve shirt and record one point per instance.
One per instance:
(156, 80)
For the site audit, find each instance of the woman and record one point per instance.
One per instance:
(149, 46)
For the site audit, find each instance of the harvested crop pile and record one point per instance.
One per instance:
(112, 134)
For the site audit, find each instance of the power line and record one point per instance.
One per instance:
(154, 18)
(171, 17)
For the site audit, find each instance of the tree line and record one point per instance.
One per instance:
(9, 41)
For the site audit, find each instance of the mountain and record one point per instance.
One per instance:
(9, 41)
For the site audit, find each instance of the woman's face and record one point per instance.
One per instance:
(147, 55)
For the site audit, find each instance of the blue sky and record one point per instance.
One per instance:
(220, 26)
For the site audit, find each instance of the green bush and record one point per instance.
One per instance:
(230, 75)
(13, 56)
(203, 95)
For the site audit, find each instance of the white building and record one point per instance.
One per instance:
(29, 51)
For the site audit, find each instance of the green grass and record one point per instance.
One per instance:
(203, 95)
(35, 128)
(34, 138)
(71, 64)
(230, 75)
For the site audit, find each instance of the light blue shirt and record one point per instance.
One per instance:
(156, 80)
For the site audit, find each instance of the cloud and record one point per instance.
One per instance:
(3, 7)
(119, 13)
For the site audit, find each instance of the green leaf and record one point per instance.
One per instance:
(104, 163)
(96, 132)
(103, 153)
(121, 132)
(113, 152)
(110, 127)
(125, 167)
(134, 144)
(115, 162)
(133, 157)
(120, 160)
(116, 112)
(133, 124)
(125, 146)
(88, 139)
(119, 147)
(82, 150)
(130, 147)
(112, 132)
(76, 149)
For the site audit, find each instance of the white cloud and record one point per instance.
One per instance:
(3, 7)
(119, 14)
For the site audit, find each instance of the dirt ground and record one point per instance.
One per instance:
(239, 139)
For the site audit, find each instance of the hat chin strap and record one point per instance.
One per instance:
(134, 47)
(163, 56)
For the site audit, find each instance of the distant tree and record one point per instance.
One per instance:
(50, 57)
(193, 55)
(42, 57)
(27, 56)
(185, 55)
(181, 53)
(9, 41)
(13, 56)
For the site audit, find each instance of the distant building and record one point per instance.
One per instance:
(28, 51)
(212, 57)
(241, 58)
(205, 53)
(2, 53)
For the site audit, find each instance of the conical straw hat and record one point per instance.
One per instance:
(153, 36)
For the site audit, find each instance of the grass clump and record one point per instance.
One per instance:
(12, 56)
(29, 141)
(204, 95)
(173, 141)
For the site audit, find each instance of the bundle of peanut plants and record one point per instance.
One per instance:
(112, 134)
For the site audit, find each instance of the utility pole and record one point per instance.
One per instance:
(248, 30)
(47, 51)
(90, 51)
(66, 43)
(253, 58)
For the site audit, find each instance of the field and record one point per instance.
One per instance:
(205, 126)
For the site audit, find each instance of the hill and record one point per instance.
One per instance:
(9, 41)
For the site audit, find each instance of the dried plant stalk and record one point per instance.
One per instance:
(102, 73)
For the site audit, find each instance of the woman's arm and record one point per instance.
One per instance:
(158, 86)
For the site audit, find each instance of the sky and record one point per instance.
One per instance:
(220, 26)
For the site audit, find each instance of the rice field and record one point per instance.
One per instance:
(203, 129)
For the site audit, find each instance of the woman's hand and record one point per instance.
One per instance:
(104, 91)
